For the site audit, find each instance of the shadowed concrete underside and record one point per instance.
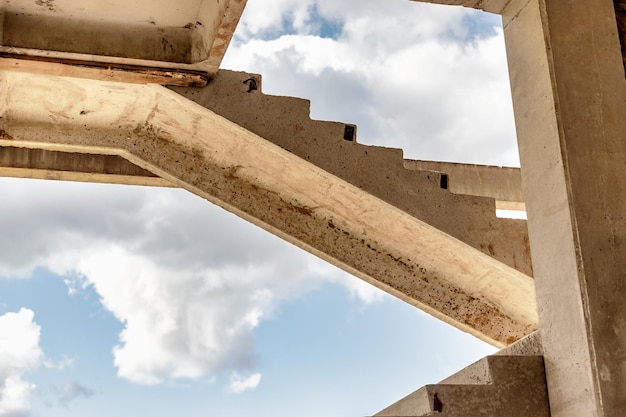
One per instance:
(137, 41)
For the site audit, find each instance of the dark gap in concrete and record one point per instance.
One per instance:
(437, 404)
(348, 133)
(620, 15)
(443, 181)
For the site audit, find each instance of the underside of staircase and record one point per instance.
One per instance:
(310, 182)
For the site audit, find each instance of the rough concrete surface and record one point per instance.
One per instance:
(495, 386)
(193, 36)
(569, 96)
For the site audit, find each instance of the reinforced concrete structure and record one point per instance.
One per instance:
(89, 104)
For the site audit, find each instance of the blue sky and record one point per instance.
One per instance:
(324, 352)
(141, 301)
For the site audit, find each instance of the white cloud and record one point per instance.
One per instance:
(19, 353)
(178, 323)
(189, 281)
(239, 384)
(72, 391)
(410, 75)
(511, 214)
(261, 18)
(357, 288)
(59, 365)
(363, 291)
(187, 285)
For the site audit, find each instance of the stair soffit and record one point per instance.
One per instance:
(477, 293)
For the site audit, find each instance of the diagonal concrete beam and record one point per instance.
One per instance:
(230, 166)
(380, 171)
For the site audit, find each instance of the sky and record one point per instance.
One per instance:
(125, 301)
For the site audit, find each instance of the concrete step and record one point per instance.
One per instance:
(495, 386)
(381, 171)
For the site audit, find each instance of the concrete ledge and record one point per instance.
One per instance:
(504, 184)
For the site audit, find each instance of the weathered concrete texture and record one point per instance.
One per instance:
(196, 149)
(380, 171)
(569, 95)
(65, 166)
(97, 71)
(495, 386)
(192, 36)
(504, 184)
(527, 346)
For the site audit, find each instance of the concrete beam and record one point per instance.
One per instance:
(95, 71)
(194, 148)
(569, 98)
(65, 166)
(504, 184)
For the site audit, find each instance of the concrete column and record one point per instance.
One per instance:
(569, 94)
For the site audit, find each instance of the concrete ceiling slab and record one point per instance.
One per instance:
(186, 35)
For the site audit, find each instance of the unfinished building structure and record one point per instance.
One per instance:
(90, 104)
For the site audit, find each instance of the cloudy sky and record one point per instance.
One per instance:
(125, 301)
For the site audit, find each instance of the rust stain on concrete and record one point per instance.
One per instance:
(49, 4)
(5, 135)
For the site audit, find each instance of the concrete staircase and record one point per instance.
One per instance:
(419, 188)
(495, 386)
(309, 182)
(381, 171)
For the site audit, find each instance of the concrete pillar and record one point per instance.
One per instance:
(569, 94)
